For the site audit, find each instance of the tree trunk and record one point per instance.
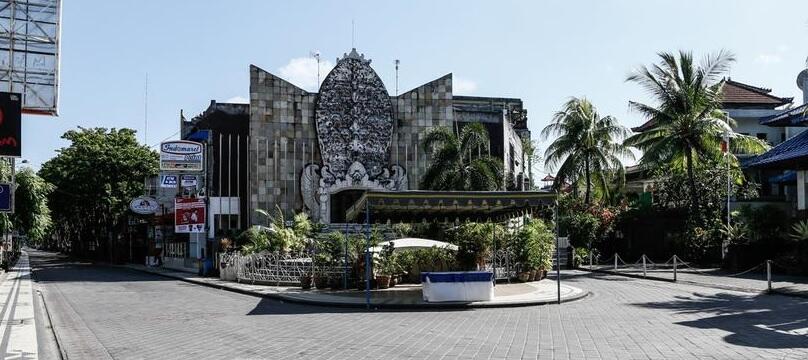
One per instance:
(588, 183)
(691, 179)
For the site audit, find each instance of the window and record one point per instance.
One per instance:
(763, 136)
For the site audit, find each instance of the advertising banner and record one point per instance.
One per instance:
(144, 205)
(5, 197)
(10, 127)
(181, 155)
(189, 215)
(168, 181)
(188, 181)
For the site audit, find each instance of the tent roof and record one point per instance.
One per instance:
(418, 205)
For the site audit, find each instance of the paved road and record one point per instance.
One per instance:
(103, 312)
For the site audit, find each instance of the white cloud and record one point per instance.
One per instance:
(463, 86)
(769, 58)
(303, 72)
(237, 100)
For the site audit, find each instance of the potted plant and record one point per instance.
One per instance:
(386, 266)
(305, 281)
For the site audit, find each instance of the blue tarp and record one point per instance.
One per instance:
(465, 276)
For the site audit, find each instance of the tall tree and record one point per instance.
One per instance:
(687, 121)
(31, 212)
(587, 145)
(461, 162)
(95, 178)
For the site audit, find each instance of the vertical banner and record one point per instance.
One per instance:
(10, 127)
(189, 215)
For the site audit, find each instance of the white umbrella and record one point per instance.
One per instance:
(413, 243)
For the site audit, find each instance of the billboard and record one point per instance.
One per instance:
(29, 53)
(5, 197)
(168, 181)
(10, 127)
(181, 155)
(189, 215)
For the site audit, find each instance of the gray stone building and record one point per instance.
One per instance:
(317, 152)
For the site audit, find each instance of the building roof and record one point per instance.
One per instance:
(791, 117)
(737, 94)
(790, 154)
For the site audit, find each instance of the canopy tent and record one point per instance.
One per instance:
(413, 243)
(447, 206)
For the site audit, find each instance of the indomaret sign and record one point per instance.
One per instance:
(10, 127)
(181, 155)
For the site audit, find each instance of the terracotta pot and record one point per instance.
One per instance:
(321, 282)
(383, 281)
(543, 274)
(305, 282)
(393, 281)
(523, 276)
(534, 275)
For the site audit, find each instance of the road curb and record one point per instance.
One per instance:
(308, 301)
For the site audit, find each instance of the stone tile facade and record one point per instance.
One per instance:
(284, 136)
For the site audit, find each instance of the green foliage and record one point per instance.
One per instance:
(461, 162)
(587, 147)
(474, 242)
(581, 256)
(279, 236)
(32, 214)
(736, 234)
(766, 223)
(413, 262)
(402, 230)
(94, 180)
(534, 244)
(799, 231)
(688, 121)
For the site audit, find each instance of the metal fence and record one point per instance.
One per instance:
(276, 268)
(502, 263)
(768, 276)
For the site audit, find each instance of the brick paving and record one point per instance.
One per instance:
(125, 314)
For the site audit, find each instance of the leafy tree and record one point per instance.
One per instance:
(688, 120)
(31, 212)
(461, 162)
(587, 145)
(94, 180)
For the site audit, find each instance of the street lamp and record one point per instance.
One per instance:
(725, 148)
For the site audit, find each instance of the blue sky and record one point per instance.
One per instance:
(540, 51)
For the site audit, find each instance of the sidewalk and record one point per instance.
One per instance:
(402, 296)
(17, 326)
(753, 281)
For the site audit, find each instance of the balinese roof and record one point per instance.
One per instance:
(739, 94)
(791, 117)
(548, 178)
(418, 205)
(791, 154)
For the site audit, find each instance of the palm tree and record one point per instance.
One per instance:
(529, 155)
(688, 121)
(461, 162)
(587, 145)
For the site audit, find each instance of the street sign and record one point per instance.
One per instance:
(144, 205)
(188, 181)
(181, 155)
(10, 127)
(168, 181)
(5, 197)
(189, 215)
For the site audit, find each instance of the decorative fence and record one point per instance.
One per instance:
(503, 264)
(274, 268)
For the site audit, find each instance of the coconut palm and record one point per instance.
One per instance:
(461, 162)
(687, 122)
(587, 146)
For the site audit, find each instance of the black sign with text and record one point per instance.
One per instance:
(10, 126)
